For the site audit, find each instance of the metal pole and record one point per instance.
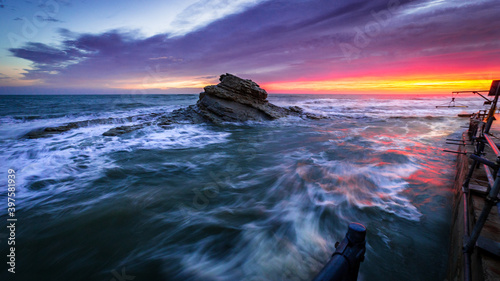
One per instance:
(465, 192)
(344, 263)
(467, 263)
(465, 186)
(494, 104)
(488, 125)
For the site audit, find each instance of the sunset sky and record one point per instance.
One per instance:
(287, 46)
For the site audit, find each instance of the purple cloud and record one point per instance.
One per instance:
(43, 55)
(275, 40)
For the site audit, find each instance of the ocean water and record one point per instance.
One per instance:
(242, 201)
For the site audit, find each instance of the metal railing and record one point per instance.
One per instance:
(479, 134)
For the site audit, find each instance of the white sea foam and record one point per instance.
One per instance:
(59, 156)
(14, 128)
(379, 107)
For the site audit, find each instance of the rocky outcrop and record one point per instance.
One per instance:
(235, 100)
(232, 100)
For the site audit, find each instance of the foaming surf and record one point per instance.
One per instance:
(74, 153)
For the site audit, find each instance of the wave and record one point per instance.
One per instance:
(286, 228)
(377, 107)
(71, 156)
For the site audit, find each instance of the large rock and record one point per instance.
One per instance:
(235, 99)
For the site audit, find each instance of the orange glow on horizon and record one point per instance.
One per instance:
(434, 84)
(361, 85)
(371, 85)
(184, 83)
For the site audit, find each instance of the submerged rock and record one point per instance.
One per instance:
(47, 131)
(122, 130)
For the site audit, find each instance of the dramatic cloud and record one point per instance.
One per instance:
(279, 41)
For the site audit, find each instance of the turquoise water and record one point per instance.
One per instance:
(242, 201)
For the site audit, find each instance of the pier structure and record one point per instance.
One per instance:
(475, 234)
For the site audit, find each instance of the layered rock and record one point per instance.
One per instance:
(232, 100)
(235, 100)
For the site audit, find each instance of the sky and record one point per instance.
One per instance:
(286, 46)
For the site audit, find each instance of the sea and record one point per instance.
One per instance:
(237, 201)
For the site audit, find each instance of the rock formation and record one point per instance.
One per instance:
(236, 99)
(232, 100)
